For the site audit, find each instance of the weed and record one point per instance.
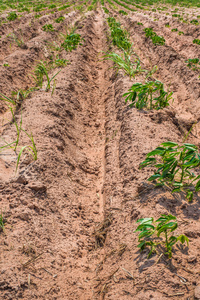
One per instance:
(181, 33)
(59, 62)
(21, 95)
(2, 221)
(139, 23)
(175, 167)
(7, 99)
(31, 149)
(124, 63)
(48, 27)
(40, 71)
(6, 65)
(12, 16)
(18, 41)
(144, 93)
(150, 234)
(167, 25)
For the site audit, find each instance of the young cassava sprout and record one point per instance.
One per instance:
(153, 234)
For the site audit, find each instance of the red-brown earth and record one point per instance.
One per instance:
(71, 214)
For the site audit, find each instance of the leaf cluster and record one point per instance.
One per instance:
(175, 166)
(119, 35)
(60, 19)
(71, 42)
(152, 234)
(156, 39)
(150, 95)
(193, 63)
(196, 41)
(48, 27)
(12, 16)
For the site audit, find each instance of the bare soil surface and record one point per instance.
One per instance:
(71, 214)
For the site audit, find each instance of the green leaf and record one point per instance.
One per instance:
(182, 238)
(153, 177)
(169, 144)
(197, 187)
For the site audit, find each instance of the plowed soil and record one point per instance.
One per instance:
(71, 214)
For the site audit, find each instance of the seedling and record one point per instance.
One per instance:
(139, 23)
(2, 222)
(60, 19)
(124, 63)
(195, 22)
(193, 63)
(48, 27)
(175, 166)
(21, 95)
(156, 39)
(151, 234)
(174, 29)
(12, 16)
(19, 42)
(6, 65)
(196, 41)
(31, 149)
(122, 12)
(59, 62)
(119, 36)
(106, 10)
(181, 33)
(150, 95)
(40, 71)
(71, 42)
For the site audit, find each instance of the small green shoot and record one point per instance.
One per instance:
(40, 71)
(48, 27)
(12, 16)
(153, 235)
(2, 222)
(60, 19)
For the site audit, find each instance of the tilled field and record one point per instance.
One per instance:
(70, 215)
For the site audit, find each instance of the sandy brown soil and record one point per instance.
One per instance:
(71, 214)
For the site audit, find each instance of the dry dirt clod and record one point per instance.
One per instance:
(37, 186)
(197, 292)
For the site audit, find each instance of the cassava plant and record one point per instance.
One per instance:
(150, 95)
(71, 42)
(156, 39)
(154, 234)
(175, 166)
